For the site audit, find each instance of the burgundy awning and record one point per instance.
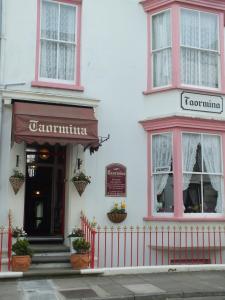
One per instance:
(52, 124)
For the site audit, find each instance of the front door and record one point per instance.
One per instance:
(44, 196)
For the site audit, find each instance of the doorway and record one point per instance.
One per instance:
(45, 190)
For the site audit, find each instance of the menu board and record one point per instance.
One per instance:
(116, 180)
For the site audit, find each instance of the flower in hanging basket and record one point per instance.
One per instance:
(80, 181)
(117, 214)
(17, 180)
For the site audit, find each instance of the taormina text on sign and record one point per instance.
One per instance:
(36, 126)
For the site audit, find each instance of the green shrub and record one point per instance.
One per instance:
(81, 246)
(22, 247)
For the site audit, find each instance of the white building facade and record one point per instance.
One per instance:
(151, 73)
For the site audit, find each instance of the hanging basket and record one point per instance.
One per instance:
(80, 185)
(16, 183)
(117, 217)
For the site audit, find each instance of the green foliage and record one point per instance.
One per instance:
(22, 247)
(118, 210)
(81, 177)
(81, 245)
(18, 174)
(76, 232)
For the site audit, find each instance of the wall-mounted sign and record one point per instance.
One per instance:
(115, 180)
(202, 102)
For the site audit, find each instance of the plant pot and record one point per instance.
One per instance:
(117, 217)
(20, 263)
(80, 185)
(80, 260)
(16, 183)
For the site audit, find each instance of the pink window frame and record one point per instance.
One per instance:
(59, 85)
(175, 7)
(176, 125)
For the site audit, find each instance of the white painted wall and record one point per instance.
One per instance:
(113, 69)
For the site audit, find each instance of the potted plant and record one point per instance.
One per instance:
(80, 181)
(16, 180)
(18, 234)
(80, 259)
(75, 234)
(117, 214)
(21, 258)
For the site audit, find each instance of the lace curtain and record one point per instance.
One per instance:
(212, 160)
(189, 145)
(57, 41)
(161, 43)
(199, 67)
(161, 161)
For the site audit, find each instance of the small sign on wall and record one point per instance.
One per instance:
(115, 180)
(202, 102)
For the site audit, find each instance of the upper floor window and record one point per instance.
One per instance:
(58, 44)
(199, 48)
(161, 49)
(186, 45)
(58, 41)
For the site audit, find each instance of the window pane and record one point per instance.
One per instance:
(212, 202)
(162, 152)
(189, 28)
(162, 68)
(190, 66)
(192, 195)
(48, 60)
(191, 152)
(67, 23)
(49, 20)
(163, 193)
(209, 31)
(161, 33)
(209, 69)
(66, 61)
(212, 154)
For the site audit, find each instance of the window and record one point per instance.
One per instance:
(186, 173)
(57, 55)
(58, 44)
(161, 49)
(162, 172)
(202, 174)
(185, 45)
(199, 48)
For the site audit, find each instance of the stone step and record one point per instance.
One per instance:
(45, 239)
(50, 259)
(53, 265)
(51, 272)
(49, 248)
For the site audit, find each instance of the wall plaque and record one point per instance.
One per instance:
(115, 180)
(202, 102)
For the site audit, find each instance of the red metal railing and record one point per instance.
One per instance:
(152, 246)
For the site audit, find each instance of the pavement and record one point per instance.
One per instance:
(207, 285)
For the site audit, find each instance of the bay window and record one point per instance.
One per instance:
(186, 45)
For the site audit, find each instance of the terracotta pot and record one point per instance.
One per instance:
(80, 186)
(80, 261)
(16, 183)
(116, 217)
(20, 263)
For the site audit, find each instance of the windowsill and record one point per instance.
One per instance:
(183, 88)
(185, 219)
(64, 86)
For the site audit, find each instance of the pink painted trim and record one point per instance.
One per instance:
(149, 176)
(223, 158)
(183, 88)
(177, 171)
(222, 52)
(175, 18)
(37, 39)
(149, 53)
(59, 85)
(78, 54)
(185, 219)
(56, 85)
(190, 123)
